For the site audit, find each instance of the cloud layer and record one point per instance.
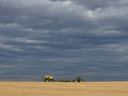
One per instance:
(84, 34)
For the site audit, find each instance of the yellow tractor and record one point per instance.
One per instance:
(48, 78)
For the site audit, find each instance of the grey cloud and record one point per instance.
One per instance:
(34, 19)
(70, 34)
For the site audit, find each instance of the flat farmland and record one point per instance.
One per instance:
(63, 89)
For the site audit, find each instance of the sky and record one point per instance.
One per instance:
(65, 38)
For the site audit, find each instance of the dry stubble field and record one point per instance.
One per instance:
(63, 89)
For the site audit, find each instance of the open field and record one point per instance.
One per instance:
(63, 89)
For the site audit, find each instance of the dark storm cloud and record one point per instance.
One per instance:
(89, 34)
